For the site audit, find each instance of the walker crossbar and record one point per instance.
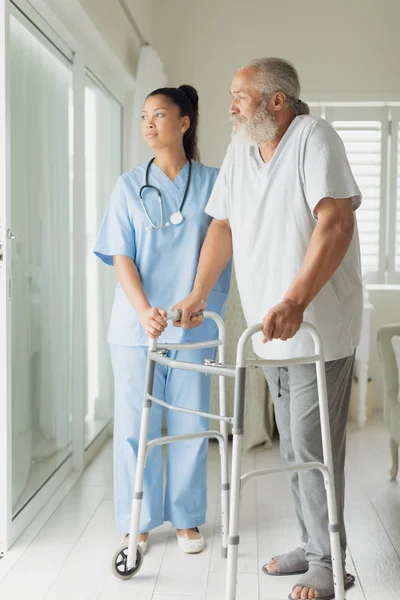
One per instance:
(246, 477)
(258, 362)
(188, 366)
(194, 346)
(189, 436)
(190, 411)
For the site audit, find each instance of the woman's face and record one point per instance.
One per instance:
(162, 124)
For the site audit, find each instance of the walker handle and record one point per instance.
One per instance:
(176, 315)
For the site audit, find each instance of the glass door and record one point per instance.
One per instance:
(36, 280)
(5, 289)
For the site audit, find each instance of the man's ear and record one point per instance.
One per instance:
(278, 101)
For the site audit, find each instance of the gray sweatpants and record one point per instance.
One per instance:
(294, 393)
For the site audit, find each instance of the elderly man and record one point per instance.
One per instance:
(284, 205)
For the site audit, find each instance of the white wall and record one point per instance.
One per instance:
(110, 20)
(346, 48)
(349, 46)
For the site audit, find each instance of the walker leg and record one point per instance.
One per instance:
(224, 462)
(141, 463)
(334, 532)
(224, 499)
(233, 539)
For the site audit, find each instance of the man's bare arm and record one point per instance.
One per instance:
(215, 254)
(328, 246)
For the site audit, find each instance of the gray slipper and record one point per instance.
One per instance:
(320, 578)
(291, 563)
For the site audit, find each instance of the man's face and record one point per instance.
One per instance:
(245, 97)
(252, 120)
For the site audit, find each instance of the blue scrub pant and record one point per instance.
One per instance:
(185, 499)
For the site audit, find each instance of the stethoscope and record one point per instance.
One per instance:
(177, 217)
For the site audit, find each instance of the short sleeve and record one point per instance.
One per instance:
(327, 172)
(116, 235)
(217, 206)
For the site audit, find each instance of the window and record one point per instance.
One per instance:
(103, 152)
(41, 303)
(370, 135)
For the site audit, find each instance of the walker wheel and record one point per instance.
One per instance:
(120, 559)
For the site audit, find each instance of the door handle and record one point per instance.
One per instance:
(11, 236)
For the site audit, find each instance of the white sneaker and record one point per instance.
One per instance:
(191, 546)
(143, 545)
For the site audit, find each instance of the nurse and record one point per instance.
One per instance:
(152, 233)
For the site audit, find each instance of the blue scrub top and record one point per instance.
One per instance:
(166, 259)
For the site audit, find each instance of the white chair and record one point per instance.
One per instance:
(391, 404)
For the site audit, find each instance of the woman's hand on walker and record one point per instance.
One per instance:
(283, 321)
(154, 321)
(192, 304)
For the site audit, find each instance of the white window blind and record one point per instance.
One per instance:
(363, 143)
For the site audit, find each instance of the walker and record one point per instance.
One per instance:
(128, 559)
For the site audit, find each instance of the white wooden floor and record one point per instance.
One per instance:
(68, 556)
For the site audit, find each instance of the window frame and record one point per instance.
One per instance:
(388, 113)
(393, 275)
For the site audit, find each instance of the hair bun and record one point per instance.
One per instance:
(192, 94)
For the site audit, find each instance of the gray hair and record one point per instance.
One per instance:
(277, 74)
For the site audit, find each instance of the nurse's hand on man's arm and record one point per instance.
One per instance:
(154, 321)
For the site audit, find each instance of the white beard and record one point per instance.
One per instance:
(258, 130)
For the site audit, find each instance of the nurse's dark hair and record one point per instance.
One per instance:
(187, 100)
